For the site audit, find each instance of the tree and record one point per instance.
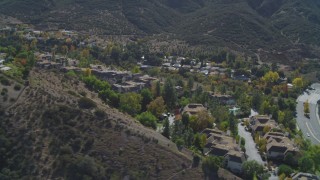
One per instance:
(201, 121)
(166, 128)
(130, 103)
(252, 168)
(157, 106)
(169, 94)
(233, 124)
(285, 169)
(256, 100)
(185, 119)
(271, 77)
(306, 164)
(210, 165)
(298, 83)
(148, 119)
(199, 141)
(146, 98)
(306, 108)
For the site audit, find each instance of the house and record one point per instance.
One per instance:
(219, 144)
(193, 109)
(278, 145)
(304, 176)
(234, 160)
(259, 122)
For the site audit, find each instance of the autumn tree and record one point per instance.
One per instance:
(157, 106)
(306, 107)
(298, 83)
(201, 121)
(271, 77)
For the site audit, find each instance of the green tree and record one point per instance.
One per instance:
(252, 168)
(147, 97)
(306, 164)
(233, 124)
(169, 94)
(210, 166)
(130, 103)
(285, 169)
(148, 119)
(185, 119)
(166, 128)
(256, 100)
(199, 141)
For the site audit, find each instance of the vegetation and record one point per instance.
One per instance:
(148, 119)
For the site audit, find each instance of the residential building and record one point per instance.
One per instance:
(278, 145)
(219, 144)
(193, 109)
(259, 122)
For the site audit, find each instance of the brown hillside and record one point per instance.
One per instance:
(52, 138)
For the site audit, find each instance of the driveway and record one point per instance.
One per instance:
(309, 127)
(251, 150)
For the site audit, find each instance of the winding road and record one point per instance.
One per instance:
(309, 127)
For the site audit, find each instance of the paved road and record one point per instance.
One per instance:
(250, 146)
(310, 126)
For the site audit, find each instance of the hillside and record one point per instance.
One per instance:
(49, 134)
(281, 25)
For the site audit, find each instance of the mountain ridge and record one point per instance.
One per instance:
(244, 24)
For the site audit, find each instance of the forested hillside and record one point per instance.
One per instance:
(247, 24)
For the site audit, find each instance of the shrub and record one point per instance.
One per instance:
(100, 113)
(4, 91)
(17, 87)
(5, 81)
(285, 169)
(86, 103)
(148, 119)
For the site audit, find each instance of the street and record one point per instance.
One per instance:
(251, 150)
(309, 127)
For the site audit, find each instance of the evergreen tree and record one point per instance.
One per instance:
(166, 128)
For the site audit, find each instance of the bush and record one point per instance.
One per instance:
(148, 119)
(100, 113)
(5, 81)
(285, 169)
(86, 103)
(17, 87)
(4, 91)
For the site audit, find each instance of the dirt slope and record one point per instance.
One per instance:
(52, 138)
